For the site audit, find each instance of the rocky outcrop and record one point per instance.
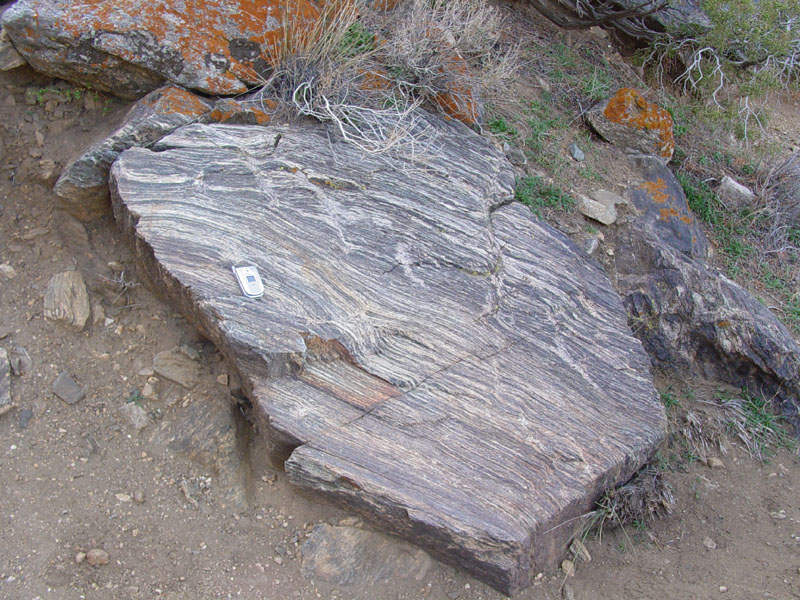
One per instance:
(664, 211)
(679, 15)
(129, 47)
(691, 318)
(83, 185)
(426, 353)
(631, 122)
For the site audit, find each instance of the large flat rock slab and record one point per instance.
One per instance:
(426, 353)
(130, 47)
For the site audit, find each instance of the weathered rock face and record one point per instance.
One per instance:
(629, 121)
(129, 47)
(692, 318)
(9, 57)
(426, 353)
(664, 210)
(83, 185)
(235, 112)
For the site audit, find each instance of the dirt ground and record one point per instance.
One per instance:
(80, 477)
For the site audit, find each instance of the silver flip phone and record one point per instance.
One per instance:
(249, 280)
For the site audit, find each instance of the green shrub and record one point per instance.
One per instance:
(752, 46)
(535, 193)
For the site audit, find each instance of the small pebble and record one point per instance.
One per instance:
(568, 567)
(138, 495)
(97, 557)
(278, 560)
(25, 416)
(80, 557)
(715, 463)
(709, 543)
(576, 152)
(723, 589)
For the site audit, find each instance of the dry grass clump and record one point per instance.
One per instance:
(745, 417)
(321, 71)
(436, 47)
(646, 497)
(368, 72)
(781, 194)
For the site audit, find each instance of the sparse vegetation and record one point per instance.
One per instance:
(669, 398)
(752, 47)
(758, 246)
(368, 73)
(539, 195)
(749, 417)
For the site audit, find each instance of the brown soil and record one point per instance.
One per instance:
(69, 476)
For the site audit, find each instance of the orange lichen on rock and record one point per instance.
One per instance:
(232, 111)
(657, 190)
(176, 100)
(628, 107)
(459, 101)
(214, 46)
(667, 213)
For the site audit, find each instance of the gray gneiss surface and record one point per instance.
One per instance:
(426, 353)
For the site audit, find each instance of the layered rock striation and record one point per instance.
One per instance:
(426, 352)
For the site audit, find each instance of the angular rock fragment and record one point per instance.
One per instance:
(135, 415)
(629, 121)
(176, 366)
(576, 153)
(9, 57)
(83, 185)
(21, 363)
(609, 198)
(597, 211)
(129, 47)
(735, 195)
(65, 388)
(426, 353)
(67, 300)
(349, 556)
(5, 382)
